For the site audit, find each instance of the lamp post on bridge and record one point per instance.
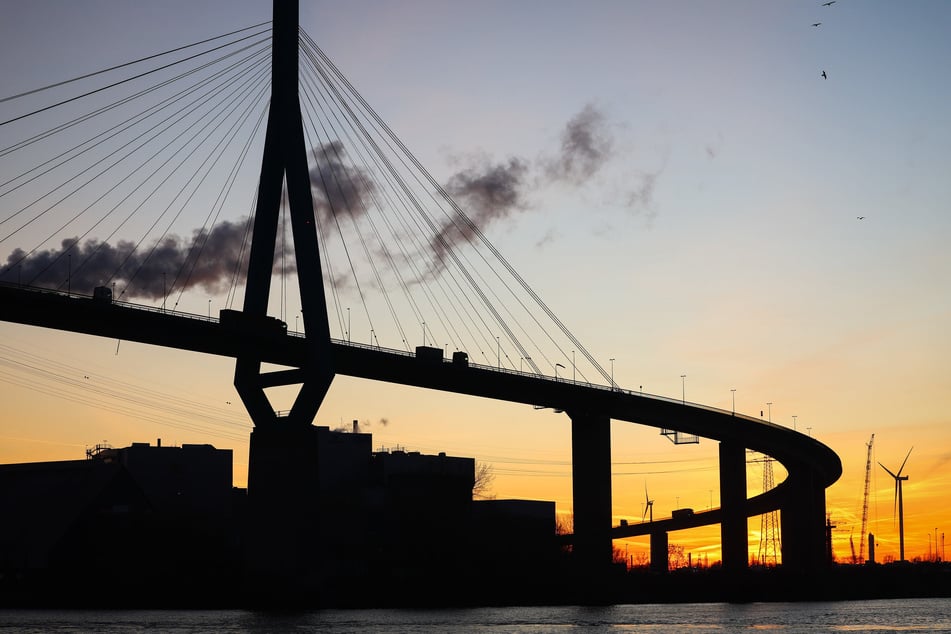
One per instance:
(612, 374)
(769, 412)
(557, 365)
(733, 389)
(683, 389)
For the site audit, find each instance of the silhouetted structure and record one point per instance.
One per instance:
(290, 502)
(158, 526)
(131, 525)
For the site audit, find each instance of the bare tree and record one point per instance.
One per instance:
(676, 558)
(482, 484)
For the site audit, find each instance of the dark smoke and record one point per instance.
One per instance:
(339, 188)
(585, 148)
(486, 193)
(208, 260)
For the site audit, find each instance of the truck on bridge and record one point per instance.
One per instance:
(245, 324)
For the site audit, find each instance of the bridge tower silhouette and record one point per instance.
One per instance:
(283, 553)
(283, 449)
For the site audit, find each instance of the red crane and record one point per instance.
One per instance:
(868, 471)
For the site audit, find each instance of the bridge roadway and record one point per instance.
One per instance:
(810, 465)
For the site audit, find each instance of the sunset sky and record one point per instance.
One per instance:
(718, 247)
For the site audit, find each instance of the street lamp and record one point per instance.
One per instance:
(209, 308)
(794, 422)
(558, 365)
(733, 389)
(612, 374)
(573, 365)
(683, 389)
(769, 412)
(498, 353)
(348, 326)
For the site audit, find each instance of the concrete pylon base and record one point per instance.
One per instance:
(281, 541)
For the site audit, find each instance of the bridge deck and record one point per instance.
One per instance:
(798, 453)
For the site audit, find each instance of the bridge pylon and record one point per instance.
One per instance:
(282, 553)
(285, 160)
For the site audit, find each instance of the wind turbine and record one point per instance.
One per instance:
(648, 505)
(899, 478)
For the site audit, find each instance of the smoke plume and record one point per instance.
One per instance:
(487, 192)
(490, 192)
(209, 260)
(585, 147)
(338, 187)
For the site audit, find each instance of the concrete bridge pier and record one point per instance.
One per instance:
(803, 525)
(591, 489)
(281, 539)
(660, 558)
(733, 530)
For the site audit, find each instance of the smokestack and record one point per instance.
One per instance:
(356, 427)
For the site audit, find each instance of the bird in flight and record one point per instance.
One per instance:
(828, 4)
(861, 217)
(817, 23)
(824, 76)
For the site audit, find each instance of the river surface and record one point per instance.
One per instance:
(908, 615)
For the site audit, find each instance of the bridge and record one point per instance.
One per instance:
(281, 459)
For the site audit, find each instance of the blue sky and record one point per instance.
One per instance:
(719, 240)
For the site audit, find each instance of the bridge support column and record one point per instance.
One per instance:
(282, 545)
(733, 529)
(803, 525)
(591, 489)
(660, 556)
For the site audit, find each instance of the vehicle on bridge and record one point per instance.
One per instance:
(102, 294)
(429, 354)
(258, 325)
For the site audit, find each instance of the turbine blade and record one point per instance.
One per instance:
(886, 469)
(904, 461)
(895, 507)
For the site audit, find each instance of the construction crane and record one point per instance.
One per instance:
(868, 472)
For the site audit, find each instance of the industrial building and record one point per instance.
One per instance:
(152, 524)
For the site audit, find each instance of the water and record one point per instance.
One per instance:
(906, 615)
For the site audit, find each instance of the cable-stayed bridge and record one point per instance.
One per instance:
(307, 199)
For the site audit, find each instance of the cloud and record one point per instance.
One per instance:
(208, 260)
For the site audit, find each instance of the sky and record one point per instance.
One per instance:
(718, 245)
